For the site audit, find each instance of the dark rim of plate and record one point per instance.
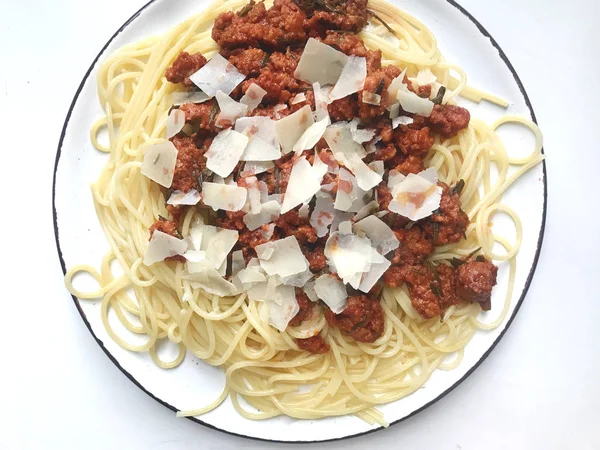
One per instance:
(485, 33)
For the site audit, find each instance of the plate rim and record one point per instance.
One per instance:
(518, 305)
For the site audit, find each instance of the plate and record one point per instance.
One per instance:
(80, 239)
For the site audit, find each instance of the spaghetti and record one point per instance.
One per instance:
(262, 365)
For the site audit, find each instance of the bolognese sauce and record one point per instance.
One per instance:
(266, 45)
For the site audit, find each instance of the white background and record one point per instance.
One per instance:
(539, 389)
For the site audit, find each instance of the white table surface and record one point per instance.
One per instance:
(540, 387)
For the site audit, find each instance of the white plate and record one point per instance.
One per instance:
(80, 240)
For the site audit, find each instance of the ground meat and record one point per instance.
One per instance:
(190, 164)
(349, 15)
(410, 164)
(363, 319)
(202, 115)
(351, 44)
(291, 224)
(475, 280)
(315, 344)
(169, 227)
(413, 142)
(446, 278)
(451, 221)
(383, 128)
(448, 120)
(420, 279)
(424, 91)
(384, 196)
(176, 212)
(280, 86)
(306, 308)
(386, 153)
(377, 81)
(270, 112)
(279, 26)
(414, 247)
(343, 109)
(253, 238)
(232, 220)
(184, 66)
(315, 254)
(249, 61)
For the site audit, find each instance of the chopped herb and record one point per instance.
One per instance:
(156, 159)
(473, 253)
(435, 273)
(435, 289)
(200, 181)
(168, 192)
(172, 108)
(456, 262)
(387, 27)
(177, 234)
(246, 9)
(380, 86)
(213, 112)
(436, 230)
(265, 60)
(440, 96)
(162, 218)
(409, 225)
(458, 187)
(480, 258)
(418, 272)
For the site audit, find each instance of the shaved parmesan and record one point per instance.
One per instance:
(159, 163)
(303, 211)
(323, 213)
(367, 210)
(424, 77)
(298, 280)
(163, 245)
(320, 63)
(340, 141)
(394, 111)
(253, 194)
(345, 227)
(281, 314)
(332, 291)
(322, 100)
(348, 192)
(360, 135)
(259, 126)
(256, 167)
(415, 197)
(225, 152)
(298, 98)
(269, 212)
(215, 242)
(352, 78)
(237, 262)
(191, 197)
(260, 150)
(181, 98)
(282, 257)
(175, 122)
(379, 265)
(224, 196)
(290, 128)
(309, 290)
(394, 177)
(402, 120)
(412, 103)
(251, 275)
(197, 261)
(382, 236)
(253, 96)
(311, 136)
(218, 74)
(397, 85)
(430, 174)
(211, 281)
(378, 167)
(366, 178)
(304, 182)
(349, 256)
(230, 110)
(371, 98)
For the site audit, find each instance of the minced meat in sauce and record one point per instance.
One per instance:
(265, 45)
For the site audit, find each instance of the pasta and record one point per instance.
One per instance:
(262, 365)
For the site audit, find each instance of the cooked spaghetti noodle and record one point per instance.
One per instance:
(262, 365)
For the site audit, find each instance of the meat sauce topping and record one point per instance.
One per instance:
(266, 45)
